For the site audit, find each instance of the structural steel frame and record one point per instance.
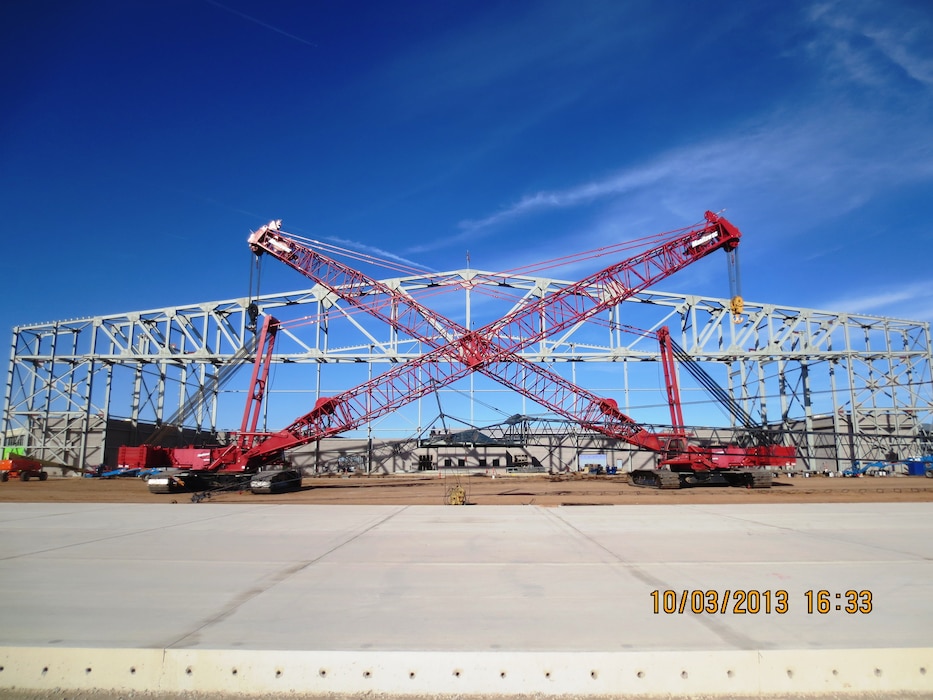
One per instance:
(856, 385)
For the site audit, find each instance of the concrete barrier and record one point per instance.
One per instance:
(732, 674)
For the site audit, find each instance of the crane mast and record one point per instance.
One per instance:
(406, 314)
(491, 349)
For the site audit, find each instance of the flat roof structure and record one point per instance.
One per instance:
(830, 600)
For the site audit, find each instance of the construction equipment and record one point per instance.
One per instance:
(455, 496)
(178, 481)
(276, 481)
(22, 468)
(920, 466)
(687, 463)
(143, 457)
(164, 463)
(877, 468)
(217, 467)
(493, 350)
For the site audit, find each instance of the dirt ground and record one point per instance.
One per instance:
(539, 490)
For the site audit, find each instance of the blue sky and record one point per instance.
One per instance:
(141, 140)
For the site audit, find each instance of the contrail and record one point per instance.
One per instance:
(260, 22)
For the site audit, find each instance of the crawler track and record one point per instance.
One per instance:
(664, 479)
(656, 479)
(750, 478)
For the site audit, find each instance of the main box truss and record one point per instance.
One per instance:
(858, 386)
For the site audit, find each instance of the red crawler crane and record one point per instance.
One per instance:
(493, 350)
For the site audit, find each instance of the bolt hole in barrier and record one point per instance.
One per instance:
(457, 673)
(468, 678)
(594, 674)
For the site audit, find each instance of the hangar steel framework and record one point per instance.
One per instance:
(843, 386)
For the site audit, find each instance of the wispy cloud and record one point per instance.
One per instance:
(481, 54)
(910, 300)
(869, 43)
(826, 155)
(380, 256)
(790, 172)
(838, 159)
(578, 195)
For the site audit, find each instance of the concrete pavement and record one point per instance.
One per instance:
(646, 600)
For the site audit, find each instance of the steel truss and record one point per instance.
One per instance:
(846, 386)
